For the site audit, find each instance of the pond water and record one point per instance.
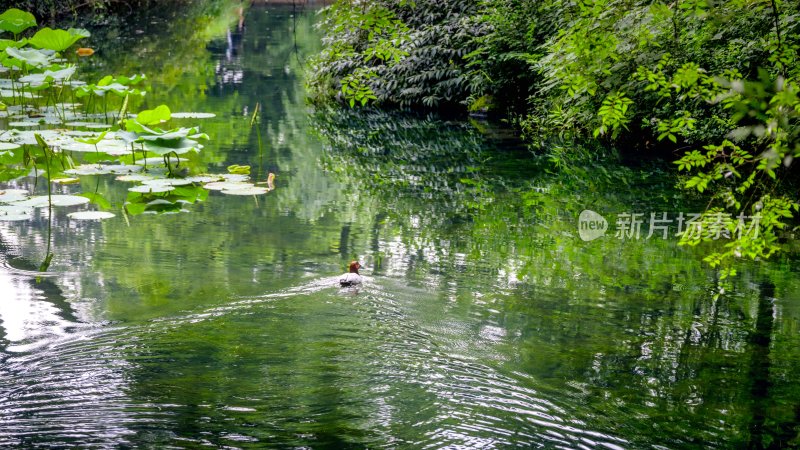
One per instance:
(484, 322)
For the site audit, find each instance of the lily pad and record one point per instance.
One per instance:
(167, 182)
(156, 160)
(85, 124)
(97, 126)
(58, 200)
(66, 180)
(193, 115)
(137, 177)
(15, 212)
(227, 185)
(24, 124)
(246, 191)
(8, 93)
(13, 195)
(146, 189)
(91, 215)
(204, 178)
(8, 146)
(235, 177)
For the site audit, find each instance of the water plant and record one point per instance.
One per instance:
(62, 128)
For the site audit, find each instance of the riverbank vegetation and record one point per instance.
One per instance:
(713, 86)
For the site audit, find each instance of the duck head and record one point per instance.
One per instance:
(354, 266)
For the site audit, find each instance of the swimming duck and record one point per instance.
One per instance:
(351, 278)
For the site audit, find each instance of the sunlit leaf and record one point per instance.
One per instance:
(154, 116)
(16, 21)
(57, 40)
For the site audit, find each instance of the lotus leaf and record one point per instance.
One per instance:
(161, 113)
(16, 21)
(15, 212)
(167, 182)
(33, 57)
(134, 177)
(90, 215)
(193, 115)
(228, 185)
(4, 43)
(13, 195)
(92, 140)
(48, 75)
(58, 200)
(234, 177)
(204, 178)
(179, 147)
(146, 189)
(246, 191)
(66, 180)
(57, 40)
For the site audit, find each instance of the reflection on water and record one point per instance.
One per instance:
(485, 322)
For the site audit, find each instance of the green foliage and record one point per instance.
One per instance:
(57, 40)
(407, 54)
(159, 114)
(716, 80)
(16, 21)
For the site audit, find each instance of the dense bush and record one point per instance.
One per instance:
(407, 54)
(715, 81)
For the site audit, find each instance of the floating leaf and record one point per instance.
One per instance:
(134, 177)
(167, 182)
(58, 200)
(90, 215)
(16, 21)
(227, 185)
(204, 178)
(101, 169)
(15, 212)
(8, 93)
(24, 124)
(66, 180)
(246, 191)
(193, 115)
(145, 189)
(13, 195)
(234, 177)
